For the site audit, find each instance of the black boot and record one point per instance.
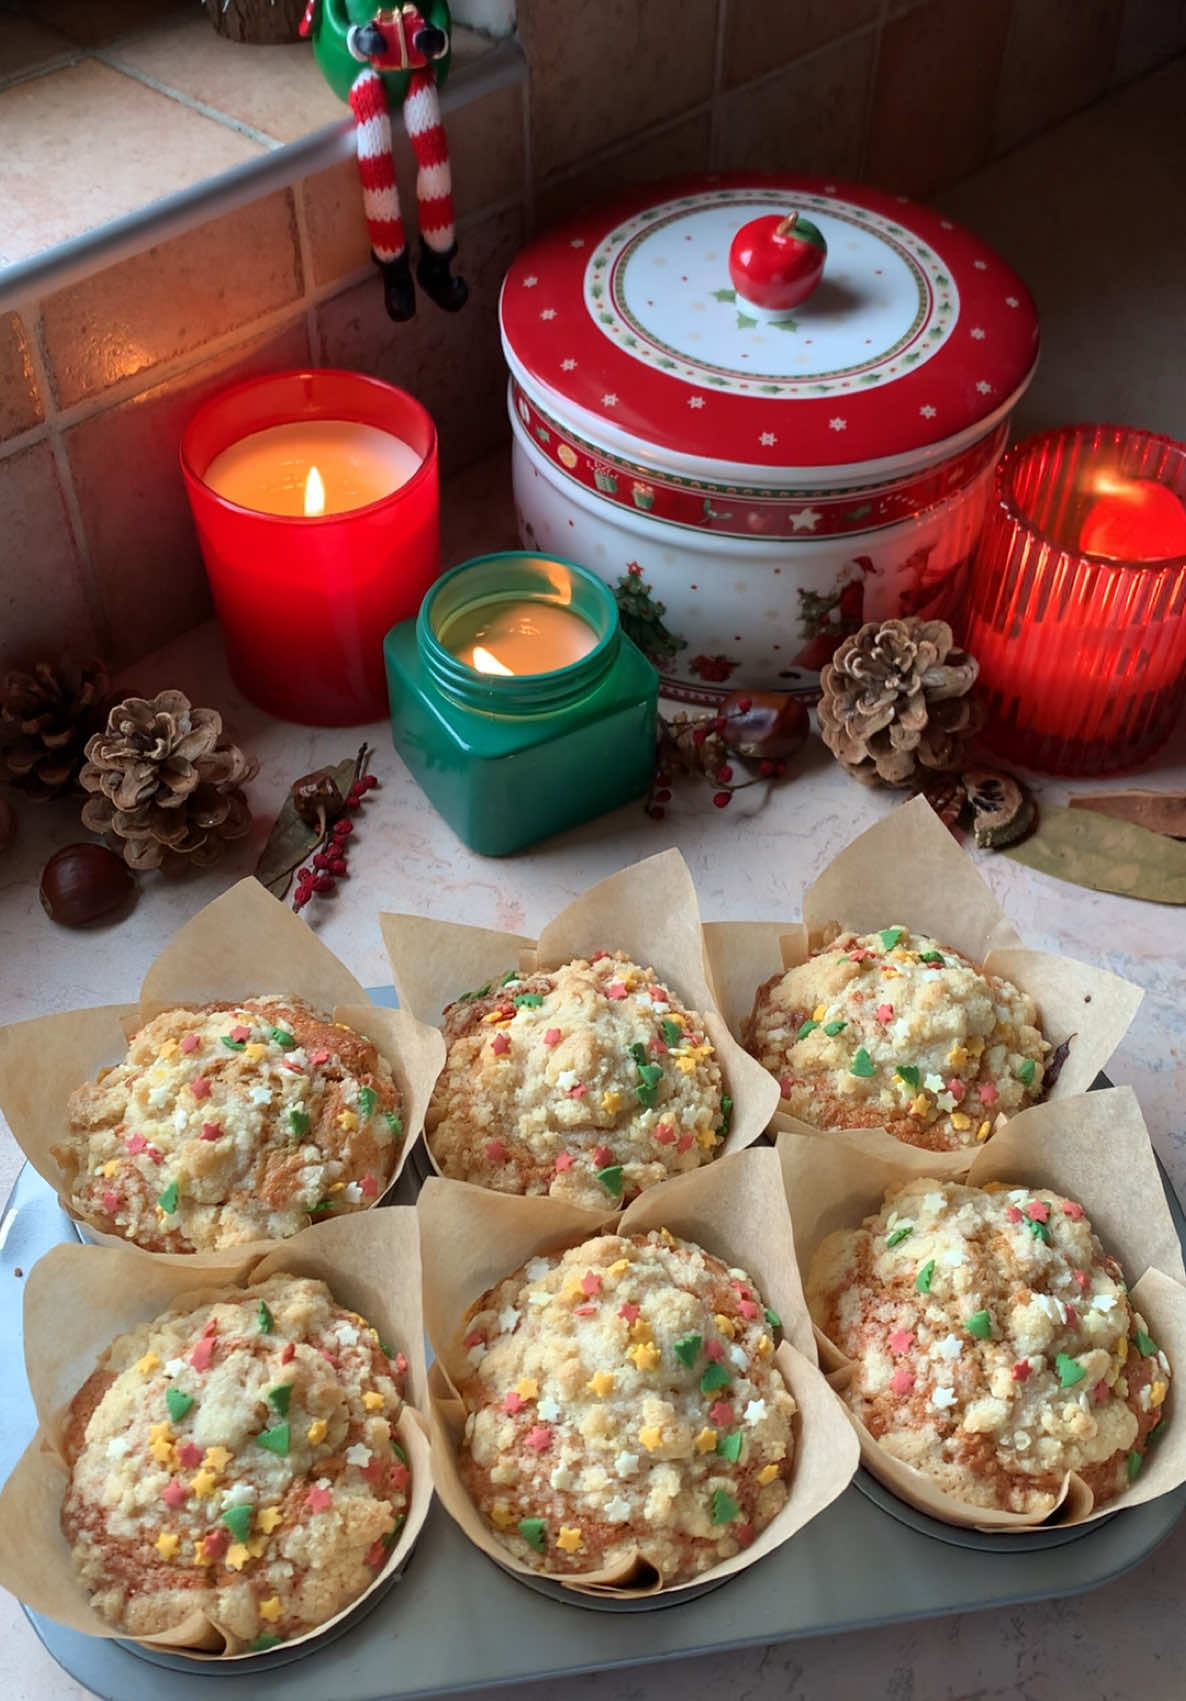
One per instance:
(398, 294)
(437, 281)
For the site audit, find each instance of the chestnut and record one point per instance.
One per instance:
(83, 883)
(317, 799)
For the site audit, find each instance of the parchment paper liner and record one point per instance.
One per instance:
(79, 1298)
(471, 1238)
(1094, 1148)
(244, 943)
(908, 870)
(648, 910)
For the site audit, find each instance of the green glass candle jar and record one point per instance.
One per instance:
(559, 728)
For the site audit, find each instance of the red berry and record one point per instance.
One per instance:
(721, 798)
(766, 769)
(321, 862)
(656, 813)
(324, 883)
(339, 867)
(302, 898)
(724, 772)
(370, 781)
(343, 829)
(743, 705)
(699, 736)
(662, 778)
(719, 723)
(663, 795)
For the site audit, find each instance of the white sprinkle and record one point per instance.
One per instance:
(949, 1348)
(755, 1411)
(174, 1366)
(477, 1353)
(118, 1447)
(260, 1095)
(353, 1192)
(1103, 1302)
(507, 1320)
(359, 1455)
(536, 1269)
(567, 1078)
(1144, 1398)
(946, 1101)
(738, 1356)
(239, 1494)
(561, 1478)
(538, 1299)
(324, 1482)
(955, 1257)
(626, 1464)
(933, 1201)
(1017, 1195)
(1164, 1362)
(617, 1510)
(547, 1409)
(943, 1397)
(934, 1084)
(347, 1334)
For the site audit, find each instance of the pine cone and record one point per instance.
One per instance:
(46, 717)
(895, 697)
(165, 784)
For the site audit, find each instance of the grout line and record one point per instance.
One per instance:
(624, 144)
(63, 61)
(223, 119)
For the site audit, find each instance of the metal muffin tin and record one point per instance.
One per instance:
(455, 1620)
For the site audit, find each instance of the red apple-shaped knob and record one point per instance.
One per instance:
(776, 261)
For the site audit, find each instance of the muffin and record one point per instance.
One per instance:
(590, 1083)
(894, 1030)
(624, 1402)
(237, 1458)
(228, 1123)
(993, 1344)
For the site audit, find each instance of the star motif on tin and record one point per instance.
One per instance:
(577, 242)
(946, 224)
(568, 365)
(927, 411)
(530, 283)
(695, 401)
(980, 265)
(1012, 301)
(609, 400)
(550, 313)
(768, 439)
(978, 332)
(837, 424)
(806, 520)
(984, 387)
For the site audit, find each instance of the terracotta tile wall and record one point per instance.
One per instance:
(97, 379)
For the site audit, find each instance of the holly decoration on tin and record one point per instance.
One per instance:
(748, 741)
(776, 261)
(641, 615)
(46, 717)
(312, 834)
(895, 701)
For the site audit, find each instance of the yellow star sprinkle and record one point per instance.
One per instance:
(203, 1483)
(168, 1049)
(1121, 1350)
(919, 1106)
(983, 1132)
(960, 1120)
(271, 1609)
(957, 1056)
(373, 1400)
(347, 1120)
(317, 1431)
(666, 1235)
(601, 1383)
(686, 1064)
(1158, 1393)
(200, 1553)
(167, 1544)
(337, 1186)
(527, 1388)
(706, 1138)
(764, 1347)
(640, 1330)
(975, 1046)
(148, 1364)
(645, 1355)
(501, 1515)
(269, 1518)
(725, 1325)
(496, 1019)
(111, 1167)
(236, 1556)
(651, 1436)
(706, 1440)
(159, 1431)
(570, 1539)
(767, 1474)
(161, 1450)
(255, 1051)
(573, 1289)
(611, 1101)
(217, 1458)
(820, 1011)
(619, 1267)
(256, 1546)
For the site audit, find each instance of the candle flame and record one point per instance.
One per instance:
(486, 663)
(314, 493)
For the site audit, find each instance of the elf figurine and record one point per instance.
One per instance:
(382, 61)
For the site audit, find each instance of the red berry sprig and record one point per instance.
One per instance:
(754, 733)
(330, 860)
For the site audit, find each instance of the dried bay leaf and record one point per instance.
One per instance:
(291, 839)
(1159, 811)
(1106, 855)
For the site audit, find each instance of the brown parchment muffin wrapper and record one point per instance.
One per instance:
(648, 910)
(908, 871)
(79, 1298)
(243, 944)
(1093, 1148)
(471, 1238)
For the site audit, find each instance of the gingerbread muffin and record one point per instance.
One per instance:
(624, 1401)
(993, 1343)
(590, 1082)
(894, 1030)
(228, 1123)
(237, 1458)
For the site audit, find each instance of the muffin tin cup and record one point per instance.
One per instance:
(908, 871)
(244, 944)
(735, 1209)
(649, 911)
(1093, 1149)
(79, 1298)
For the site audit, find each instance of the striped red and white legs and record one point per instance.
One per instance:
(434, 194)
(380, 197)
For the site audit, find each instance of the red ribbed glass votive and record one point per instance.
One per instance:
(1076, 606)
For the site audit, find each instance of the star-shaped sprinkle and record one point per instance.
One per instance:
(755, 1411)
(539, 1438)
(570, 1538)
(645, 1355)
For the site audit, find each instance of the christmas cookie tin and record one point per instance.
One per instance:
(764, 409)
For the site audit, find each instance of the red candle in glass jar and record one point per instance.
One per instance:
(315, 497)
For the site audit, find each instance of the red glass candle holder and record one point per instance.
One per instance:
(304, 602)
(1077, 602)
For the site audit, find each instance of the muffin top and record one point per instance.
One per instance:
(894, 1030)
(237, 1458)
(624, 1401)
(590, 1082)
(228, 1123)
(993, 1343)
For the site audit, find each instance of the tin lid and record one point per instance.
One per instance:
(627, 323)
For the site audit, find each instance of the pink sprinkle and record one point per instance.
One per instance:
(988, 1093)
(239, 1033)
(370, 1187)
(288, 1352)
(136, 1143)
(741, 1290)
(200, 1087)
(585, 1310)
(293, 1068)
(552, 1036)
(211, 1328)
(111, 1203)
(401, 1363)
(317, 1058)
(665, 1134)
(1100, 1393)
(500, 1044)
(174, 1493)
(191, 1042)
(1013, 1214)
(602, 1156)
(319, 1499)
(189, 1454)
(577, 1092)
(475, 1338)
(658, 993)
(539, 1438)
(720, 1413)
(658, 1047)
(1081, 1277)
(743, 1534)
(885, 1013)
(956, 1088)
(901, 1340)
(211, 1131)
(616, 989)
(215, 1544)
(684, 1142)
(328, 1356)
(902, 1381)
(629, 1312)
(1021, 1370)
(154, 1153)
(591, 1282)
(748, 1309)
(496, 1151)
(513, 1402)
(715, 1350)
(598, 955)
(202, 1356)
(1037, 1210)
(1072, 1210)
(376, 1554)
(399, 1476)
(564, 1161)
(784, 1086)
(1072, 1314)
